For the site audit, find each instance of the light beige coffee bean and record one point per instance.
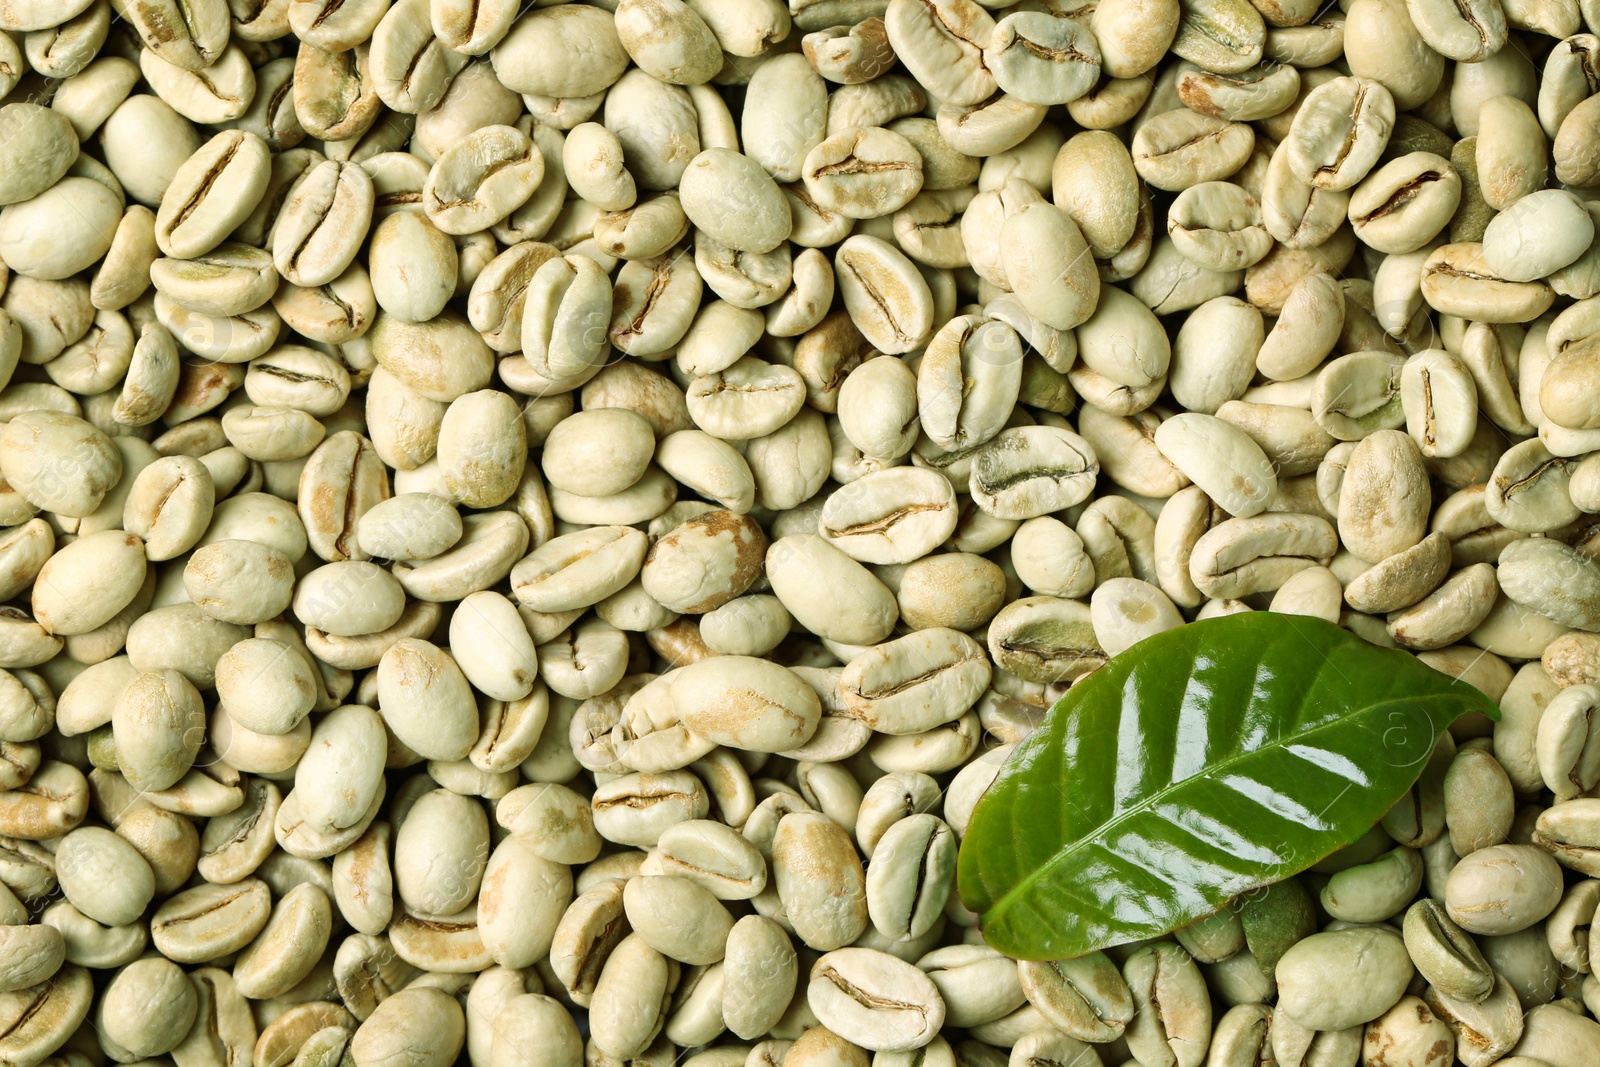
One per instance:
(426, 700)
(1527, 490)
(745, 703)
(829, 593)
(1025, 472)
(1172, 1015)
(46, 150)
(891, 687)
(212, 193)
(1503, 889)
(1372, 963)
(1566, 753)
(730, 197)
(1180, 148)
(209, 921)
(1042, 61)
(416, 1027)
(1457, 280)
(1084, 998)
(942, 48)
(875, 1000)
(885, 295)
(1259, 553)
(1339, 131)
(1385, 499)
(634, 976)
(1218, 226)
(1485, 1029)
(104, 876)
(159, 725)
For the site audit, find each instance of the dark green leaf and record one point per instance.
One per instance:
(1201, 763)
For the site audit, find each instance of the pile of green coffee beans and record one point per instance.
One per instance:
(526, 532)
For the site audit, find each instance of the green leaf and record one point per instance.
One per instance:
(1201, 763)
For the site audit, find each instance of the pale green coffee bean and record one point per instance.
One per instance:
(413, 266)
(636, 809)
(1204, 446)
(885, 295)
(1375, 891)
(1085, 998)
(1330, 981)
(341, 775)
(1028, 471)
(977, 984)
(1214, 937)
(411, 526)
(41, 1018)
(578, 569)
(654, 300)
(875, 1000)
(761, 970)
(1551, 578)
(417, 1027)
(158, 723)
(349, 599)
(1503, 888)
(152, 985)
(60, 463)
(1440, 401)
(1566, 746)
(829, 593)
(735, 201)
(1485, 1029)
(209, 921)
(1339, 131)
(1405, 203)
(1045, 639)
(968, 380)
(633, 974)
(266, 685)
(1479, 801)
(104, 876)
(532, 1024)
(1042, 61)
(46, 149)
(482, 178)
(34, 953)
(946, 57)
(1445, 954)
(1457, 280)
(1050, 559)
(746, 703)
(1171, 1022)
(1527, 490)
(564, 322)
(212, 193)
(1537, 235)
(1043, 1044)
(912, 874)
(426, 700)
(1045, 258)
(677, 917)
(1180, 148)
(441, 850)
(1259, 553)
(1555, 1035)
(86, 583)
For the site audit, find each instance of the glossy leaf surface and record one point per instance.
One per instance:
(1201, 763)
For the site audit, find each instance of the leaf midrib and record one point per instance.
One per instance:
(1103, 829)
